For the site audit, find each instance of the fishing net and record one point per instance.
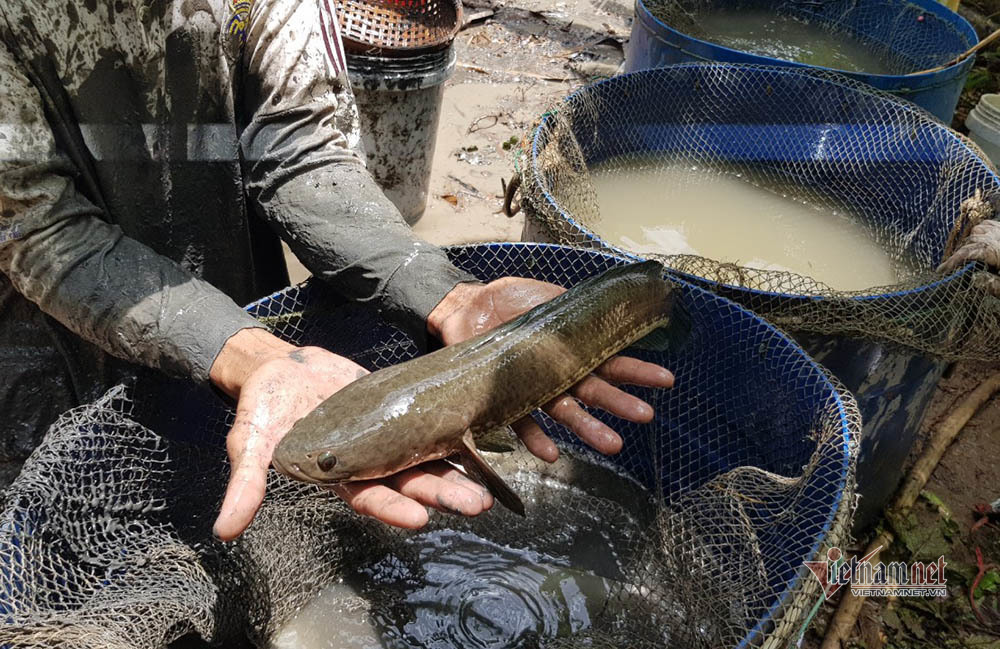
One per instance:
(915, 186)
(694, 536)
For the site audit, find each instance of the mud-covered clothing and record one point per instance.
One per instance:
(150, 152)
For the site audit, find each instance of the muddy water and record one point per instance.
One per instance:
(471, 592)
(681, 208)
(463, 591)
(782, 37)
(497, 581)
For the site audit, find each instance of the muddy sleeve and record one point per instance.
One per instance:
(304, 172)
(62, 255)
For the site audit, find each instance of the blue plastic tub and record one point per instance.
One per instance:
(922, 33)
(881, 158)
(745, 396)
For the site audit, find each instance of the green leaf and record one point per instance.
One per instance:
(913, 623)
(923, 542)
(990, 583)
(891, 619)
(949, 528)
(979, 79)
(936, 502)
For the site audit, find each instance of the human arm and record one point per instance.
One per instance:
(305, 175)
(59, 251)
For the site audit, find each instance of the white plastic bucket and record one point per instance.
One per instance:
(983, 123)
(399, 99)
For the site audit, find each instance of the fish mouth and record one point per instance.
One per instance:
(294, 471)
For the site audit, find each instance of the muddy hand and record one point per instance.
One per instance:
(982, 244)
(276, 384)
(470, 309)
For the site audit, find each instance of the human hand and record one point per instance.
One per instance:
(276, 384)
(982, 244)
(471, 309)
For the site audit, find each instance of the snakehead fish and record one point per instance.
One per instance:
(435, 406)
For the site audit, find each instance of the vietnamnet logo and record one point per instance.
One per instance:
(896, 579)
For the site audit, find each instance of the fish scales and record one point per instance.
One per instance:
(426, 408)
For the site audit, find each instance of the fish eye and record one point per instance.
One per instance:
(326, 461)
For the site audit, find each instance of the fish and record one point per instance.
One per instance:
(434, 406)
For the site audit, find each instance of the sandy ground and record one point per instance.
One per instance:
(514, 62)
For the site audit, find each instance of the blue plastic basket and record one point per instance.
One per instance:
(745, 395)
(918, 34)
(879, 158)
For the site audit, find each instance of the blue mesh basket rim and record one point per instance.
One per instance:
(818, 75)
(826, 385)
(929, 6)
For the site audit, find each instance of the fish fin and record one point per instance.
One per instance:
(479, 470)
(497, 440)
(545, 309)
(671, 336)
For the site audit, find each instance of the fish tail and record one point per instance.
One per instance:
(674, 333)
